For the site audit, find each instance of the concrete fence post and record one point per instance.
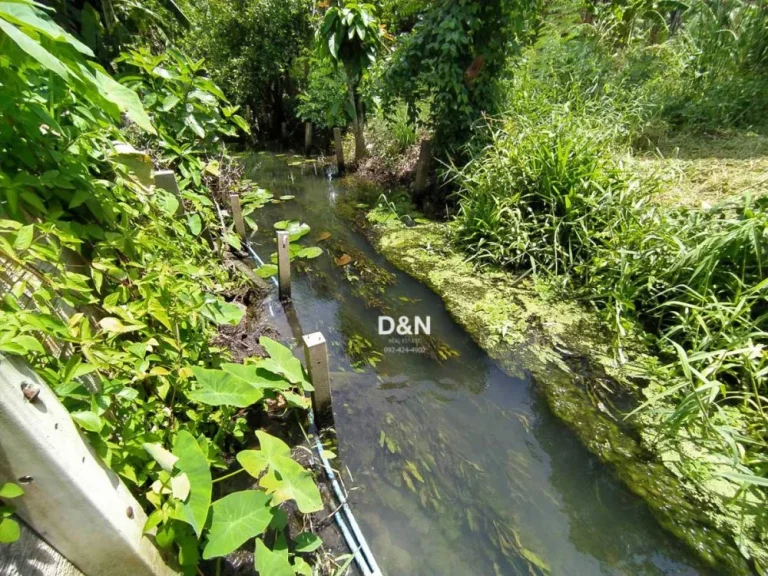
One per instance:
(166, 179)
(71, 499)
(339, 150)
(284, 263)
(237, 214)
(316, 355)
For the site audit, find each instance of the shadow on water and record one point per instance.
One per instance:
(458, 468)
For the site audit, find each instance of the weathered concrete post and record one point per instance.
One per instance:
(284, 263)
(422, 167)
(339, 150)
(307, 138)
(166, 179)
(316, 355)
(237, 214)
(71, 499)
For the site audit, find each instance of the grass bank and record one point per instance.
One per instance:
(569, 353)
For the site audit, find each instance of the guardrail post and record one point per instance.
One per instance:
(237, 214)
(316, 355)
(284, 263)
(339, 150)
(71, 499)
(166, 179)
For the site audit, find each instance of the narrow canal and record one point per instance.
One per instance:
(457, 468)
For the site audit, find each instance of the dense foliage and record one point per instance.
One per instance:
(115, 291)
(549, 195)
(250, 48)
(454, 58)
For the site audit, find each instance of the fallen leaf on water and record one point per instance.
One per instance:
(323, 236)
(343, 260)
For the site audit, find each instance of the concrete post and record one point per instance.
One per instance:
(71, 499)
(422, 167)
(284, 263)
(166, 179)
(237, 214)
(339, 150)
(316, 355)
(307, 138)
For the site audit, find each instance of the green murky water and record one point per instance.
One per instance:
(458, 468)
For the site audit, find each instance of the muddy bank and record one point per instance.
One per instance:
(569, 356)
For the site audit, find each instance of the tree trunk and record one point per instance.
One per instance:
(358, 123)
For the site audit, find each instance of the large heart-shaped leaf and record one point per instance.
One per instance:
(219, 388)
(237, 518)
(288, 480)
(281, 361)
(256, 376)
(256, 461)
(193, 463)
(272, 562)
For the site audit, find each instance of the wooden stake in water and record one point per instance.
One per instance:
(284, 263)
(237, 214)
(339, 150)
(316, 355)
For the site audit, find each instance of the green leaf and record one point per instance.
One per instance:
(270, 447)
(295, 228)
(24, 14)
(24, 238)
(255, 375)
(194, 125)
(114, 325)
(195, 224)
(170, 101)
(221, 389)
(266, 271)
(10, 490)
(236, 519)
(192, 461)
(745, 478)
(160, 455)
(123, 97)
(9, 531)
(240, 121)
(312, 252)
(307, 542)
(34, 49)
(29, 343)
(288, 480)
(272, 562)
(88, 420)
(281, 361)
(169, 204)
(221, 312)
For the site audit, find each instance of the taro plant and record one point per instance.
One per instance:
(114, 300)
